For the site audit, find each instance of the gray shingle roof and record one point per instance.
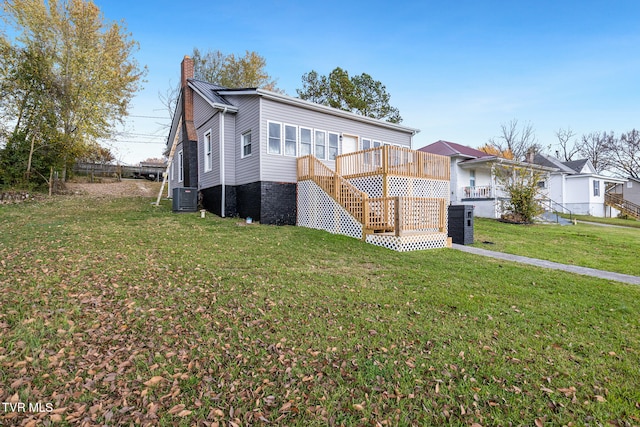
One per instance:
(552, 162)
(210, 90)
(576, 165)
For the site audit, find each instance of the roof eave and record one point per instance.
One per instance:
(318, 107)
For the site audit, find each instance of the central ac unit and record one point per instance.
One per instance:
(185, 199)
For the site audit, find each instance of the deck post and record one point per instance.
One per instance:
(365, 216)
(399, 215)
(312, 174)
(442, 215)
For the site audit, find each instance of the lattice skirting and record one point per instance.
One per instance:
(316, 209)
(411, 242)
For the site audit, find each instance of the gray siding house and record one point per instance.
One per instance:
(239, 147)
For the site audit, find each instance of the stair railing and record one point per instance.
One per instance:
(617, 201)
(552, 205)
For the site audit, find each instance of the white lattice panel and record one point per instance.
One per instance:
(417, 187)
(412, 242)
(372, 185)
(316, 209)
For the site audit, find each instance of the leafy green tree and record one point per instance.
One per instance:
(68, 78)
(358, 94)
(521, 183)
(232, 71)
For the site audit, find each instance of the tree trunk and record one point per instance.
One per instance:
(31, 150)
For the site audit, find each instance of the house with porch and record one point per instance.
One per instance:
(576, 187)
(475, 177)
(281, 160)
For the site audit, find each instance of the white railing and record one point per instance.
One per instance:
(478, 192)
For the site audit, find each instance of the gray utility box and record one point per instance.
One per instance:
(461, 224)
(185, 199)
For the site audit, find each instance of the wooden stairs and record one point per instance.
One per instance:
(616, 201)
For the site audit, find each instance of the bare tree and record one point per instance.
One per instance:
(625, 157)
(598, 147)
(568, 148)
(519, 141)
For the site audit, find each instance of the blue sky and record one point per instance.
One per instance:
(456, 70)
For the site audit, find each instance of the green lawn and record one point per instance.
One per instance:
(606, 248)
(629, 222)
(116, 312)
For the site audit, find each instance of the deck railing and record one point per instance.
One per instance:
(392, 160)
(379, 214)
(406, 214)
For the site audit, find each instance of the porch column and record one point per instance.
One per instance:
(494, 191)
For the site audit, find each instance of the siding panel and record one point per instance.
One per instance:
(246, 170)
(211, 178)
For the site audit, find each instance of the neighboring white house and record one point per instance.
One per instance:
(578, 187)
(474, 177)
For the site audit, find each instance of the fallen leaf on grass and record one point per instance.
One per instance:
(176, 409)
(154, 380)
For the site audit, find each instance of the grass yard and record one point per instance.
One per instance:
(605, 248)
(115, 312)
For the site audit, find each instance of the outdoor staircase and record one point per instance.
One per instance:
(387, 206)
(617, 201)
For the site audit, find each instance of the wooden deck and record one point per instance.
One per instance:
(398, 214)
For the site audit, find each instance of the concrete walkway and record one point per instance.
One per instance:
(624, 278)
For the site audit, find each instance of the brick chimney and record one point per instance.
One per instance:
(190, 137)
(186, 72)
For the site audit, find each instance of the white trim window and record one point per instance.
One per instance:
(596, 188)
(333, 145)
(274, 145)
(321, 144)
(290, 140)
(306, 141)
(180, 166)
(207, 151)
(245, 145)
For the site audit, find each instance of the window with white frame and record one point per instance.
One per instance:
(321, 144)
(305, 141)
(245, 144)
(275, 138)
(207, 151)
(180, 167)
(596, 187)
(333, 145)
(290, 140)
